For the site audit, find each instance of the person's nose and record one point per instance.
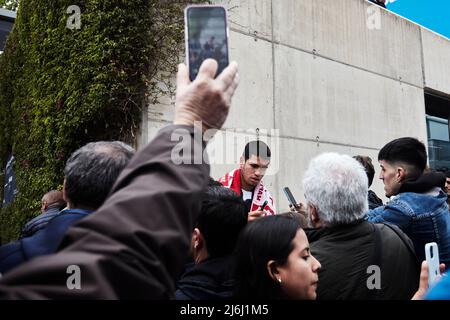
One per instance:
(316, 265)
(381, 176)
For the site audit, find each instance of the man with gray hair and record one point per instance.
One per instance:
(89, 175)
(360, 260)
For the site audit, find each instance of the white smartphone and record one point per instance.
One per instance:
(206, 34)
(432, 257)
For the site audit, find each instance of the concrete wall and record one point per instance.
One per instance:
(319, 74)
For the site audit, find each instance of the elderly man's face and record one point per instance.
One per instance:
(391, 178)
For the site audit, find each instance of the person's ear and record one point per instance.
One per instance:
(45, 205)
(401, 174)
(241, 162)
(197, 239)
(64, 192)
(274, 271)
(314, 215)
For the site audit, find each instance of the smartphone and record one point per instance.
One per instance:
(264, 205)
(206, 34)
(432, 257)
(290, 197)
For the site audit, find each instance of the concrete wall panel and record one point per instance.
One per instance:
(250, 16)
(253, 101)
(344, 30)
(316, 97)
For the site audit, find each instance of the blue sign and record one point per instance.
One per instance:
(10, 189)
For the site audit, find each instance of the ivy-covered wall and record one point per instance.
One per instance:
(61, 88)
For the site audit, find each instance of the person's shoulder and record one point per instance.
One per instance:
(403, 203)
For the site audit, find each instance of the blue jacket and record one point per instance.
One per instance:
(41, 221)
(424, 217)
(45, 241)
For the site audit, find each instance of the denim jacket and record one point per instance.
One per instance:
(424, 217)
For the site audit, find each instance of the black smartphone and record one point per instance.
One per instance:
(264, 205)
(206, 33)
(289, 196)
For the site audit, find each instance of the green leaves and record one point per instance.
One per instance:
(61, 88)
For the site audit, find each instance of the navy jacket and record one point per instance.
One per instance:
(41, 221)
(44, 241)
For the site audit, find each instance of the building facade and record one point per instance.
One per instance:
(327, 76)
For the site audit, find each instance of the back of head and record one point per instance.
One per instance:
(257, 148)
(92, 170)
(337, 186)
(214, 183)
(366, 162)
(265, 239)
(54, 197)
(407, 151)
(222, 217)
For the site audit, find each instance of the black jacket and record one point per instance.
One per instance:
(347, 252)
(374, 201)
(208, 280)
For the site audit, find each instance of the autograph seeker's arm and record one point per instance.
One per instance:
(135, 244)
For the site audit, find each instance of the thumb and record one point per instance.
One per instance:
(182, 76)
(423, 284)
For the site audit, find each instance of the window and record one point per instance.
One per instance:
(438, 114)
(7, 19)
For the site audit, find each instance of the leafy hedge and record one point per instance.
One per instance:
(61, 88)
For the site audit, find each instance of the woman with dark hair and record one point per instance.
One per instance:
(273, 261)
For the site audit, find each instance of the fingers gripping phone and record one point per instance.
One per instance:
(290, 197)
(206, 34)
(432, 257)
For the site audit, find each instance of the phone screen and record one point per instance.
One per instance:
(207, 37)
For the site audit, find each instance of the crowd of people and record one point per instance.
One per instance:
(141, 225)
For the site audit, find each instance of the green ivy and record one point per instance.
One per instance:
(61, 88)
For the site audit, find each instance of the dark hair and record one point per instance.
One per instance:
(257, 148)
(222, 217)
(447, 173)
(366, 162)
(265, 239)
(214, 183)
(406, 150)
(92, 170)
